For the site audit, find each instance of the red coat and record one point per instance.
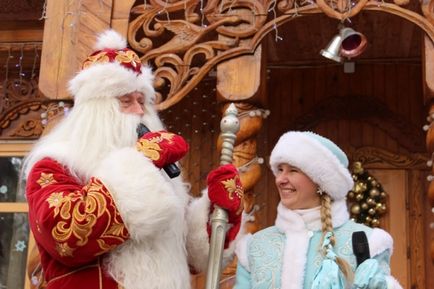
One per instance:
(74, 225)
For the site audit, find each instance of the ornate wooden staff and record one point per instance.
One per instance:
(229, 127)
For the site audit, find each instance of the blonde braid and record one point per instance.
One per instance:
(327, 226)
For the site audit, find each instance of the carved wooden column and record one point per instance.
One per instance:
(428, 88)
(240, 81)
(430, 148)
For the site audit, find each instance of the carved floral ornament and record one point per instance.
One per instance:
(184, 39)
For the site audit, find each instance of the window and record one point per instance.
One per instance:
(15, 238)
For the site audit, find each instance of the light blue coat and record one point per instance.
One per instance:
(287, 254)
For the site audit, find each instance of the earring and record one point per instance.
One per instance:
(319, 191)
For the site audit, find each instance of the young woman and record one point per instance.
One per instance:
(310, 244)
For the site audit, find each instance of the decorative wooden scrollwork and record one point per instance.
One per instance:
(20, 99)
(184, 39)
(21, 107)
(377, 157)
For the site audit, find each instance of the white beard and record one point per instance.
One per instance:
(87, 134)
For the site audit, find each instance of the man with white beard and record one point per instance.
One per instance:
(102, 212)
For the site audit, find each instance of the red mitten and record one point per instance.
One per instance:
(225, 190)
(162, 147)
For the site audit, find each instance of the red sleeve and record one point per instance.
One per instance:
(73, 223)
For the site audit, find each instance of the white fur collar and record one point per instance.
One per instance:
(309, 219)
(298, 226)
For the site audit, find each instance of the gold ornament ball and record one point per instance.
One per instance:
(383, 195)
(371, 202)
(371, 211)
(368, 221)
(359, 197)
(364, 206)
(360, 187)
(382, 208)
(375, 222)
(378, 207)
(357, 168)
(374, 182)
(350, 195)
(355, 209)
(374, 192)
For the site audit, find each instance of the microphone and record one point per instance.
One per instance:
(171, 170)
(360, 247)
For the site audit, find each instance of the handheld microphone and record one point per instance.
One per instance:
(360, 247)
(171, 170)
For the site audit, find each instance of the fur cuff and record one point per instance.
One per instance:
(242, 251)
(146, 201)
(197, 238)
(392, 283)
(380, 241)
(228, 253)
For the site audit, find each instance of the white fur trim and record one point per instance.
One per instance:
(392, 283)
(152, 263)
(379, 241)
(108, 80)
(197, 238)
(314, 159)
(228, 253)
(296, 225)
(300, 220)
(146, 201)
(294, 259)
(110, 39)
(242, 251)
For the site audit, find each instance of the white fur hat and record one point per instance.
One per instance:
(111, 71)
(318, 157)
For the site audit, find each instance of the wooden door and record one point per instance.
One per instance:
(394, 182)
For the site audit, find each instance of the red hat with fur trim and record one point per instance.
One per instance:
(111, 71)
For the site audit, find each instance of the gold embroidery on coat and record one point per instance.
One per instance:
(104, 247)
(46, 179)
(79, 215)
(64, 250)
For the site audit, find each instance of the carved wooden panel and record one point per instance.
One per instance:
(20, 109)
(183, 40)
(24, 112)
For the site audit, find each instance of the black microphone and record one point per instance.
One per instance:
(171, 170)
(360, 247)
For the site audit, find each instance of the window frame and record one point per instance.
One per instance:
(18, 149)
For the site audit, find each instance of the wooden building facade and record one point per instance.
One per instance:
(264, 57)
